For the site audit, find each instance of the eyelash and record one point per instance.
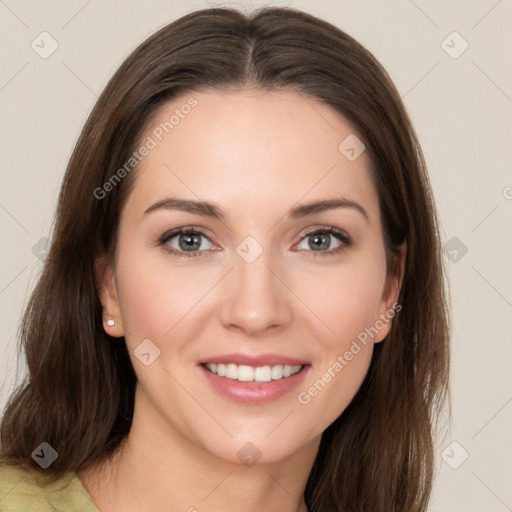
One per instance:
(337, 233)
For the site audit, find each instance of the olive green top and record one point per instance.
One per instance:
(22, 490)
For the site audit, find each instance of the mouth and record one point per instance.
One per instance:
(246, 373)
(254, 379)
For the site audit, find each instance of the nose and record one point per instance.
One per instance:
(256, 298)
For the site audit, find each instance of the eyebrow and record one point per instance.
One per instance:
(208, 209)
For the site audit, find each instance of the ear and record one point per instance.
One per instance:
(108, 295)
(389, 302)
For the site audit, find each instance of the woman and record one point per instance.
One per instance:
(243, 303)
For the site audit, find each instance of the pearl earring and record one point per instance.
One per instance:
(110, 323)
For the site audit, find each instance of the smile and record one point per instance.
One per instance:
(253, 384)
(245, 373)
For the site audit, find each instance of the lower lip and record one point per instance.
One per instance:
(254, 392)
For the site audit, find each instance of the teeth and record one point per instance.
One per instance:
(277, 372)
(245, 373)
(263, 374)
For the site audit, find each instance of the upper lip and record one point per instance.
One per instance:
(254, 360)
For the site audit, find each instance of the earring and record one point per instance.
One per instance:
(110, 323)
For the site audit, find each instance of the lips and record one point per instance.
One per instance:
(253, 378)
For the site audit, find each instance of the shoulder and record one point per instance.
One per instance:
(23, 490)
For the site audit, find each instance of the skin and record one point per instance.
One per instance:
(255, 155)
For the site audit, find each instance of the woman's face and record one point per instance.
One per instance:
(249, 287)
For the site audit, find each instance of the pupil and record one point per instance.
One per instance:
(316, 238)
(191, 242)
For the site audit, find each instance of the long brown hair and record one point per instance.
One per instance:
(79, 392)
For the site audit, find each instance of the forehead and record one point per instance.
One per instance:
(252, 149)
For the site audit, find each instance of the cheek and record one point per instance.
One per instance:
(345, 299)
(347, 305)
(343, 358)
(153, 296)
(332, 386)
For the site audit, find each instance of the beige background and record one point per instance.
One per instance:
(461, 108)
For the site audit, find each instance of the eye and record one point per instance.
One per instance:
(190, 242)
(185, 241)
(320, 239)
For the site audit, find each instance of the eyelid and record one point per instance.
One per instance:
(326, 229)
(184, 230)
